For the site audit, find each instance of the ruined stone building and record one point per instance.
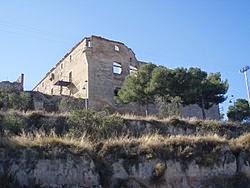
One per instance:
(94, 70)
(17, 85)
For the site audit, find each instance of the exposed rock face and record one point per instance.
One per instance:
(70, 171)
(171, 173)
(29, 168)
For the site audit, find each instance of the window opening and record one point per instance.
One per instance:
(132, 69)
(70, 77)
(117, 48)
(117, 68)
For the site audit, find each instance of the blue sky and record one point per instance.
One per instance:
(213, 35)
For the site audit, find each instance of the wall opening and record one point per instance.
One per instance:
(70, 76)
(88, 44)
(117, 48)
(116, 91)
(132, 70)
(52, 76)
(117, 68)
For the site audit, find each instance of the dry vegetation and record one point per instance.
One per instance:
(40, 139)
(105, 135)
(153, 144)
(191, 121)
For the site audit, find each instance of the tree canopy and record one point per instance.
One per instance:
(239, 111)
(191, 86)
(136, 87)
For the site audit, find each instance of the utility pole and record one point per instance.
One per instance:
(244, 71)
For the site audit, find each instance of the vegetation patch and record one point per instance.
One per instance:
(181, 148)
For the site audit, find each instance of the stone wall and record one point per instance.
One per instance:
(195, 111)
(102, 81)
(43, 102)
(11, 86)
(74, 63)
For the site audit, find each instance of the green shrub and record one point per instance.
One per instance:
(15, 100)
(13, 123)
(96, 125)
(19, 101)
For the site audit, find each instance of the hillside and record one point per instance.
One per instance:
(94, 149)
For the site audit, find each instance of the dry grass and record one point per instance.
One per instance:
(137, 117)
(205, 149)
(41, 139)
(243, 142)
(156, 140)
(29, 113)
(145, 141)
(192, 120)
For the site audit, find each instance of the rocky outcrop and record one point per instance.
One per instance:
(161, 173)
(60, 168)
(67, 170)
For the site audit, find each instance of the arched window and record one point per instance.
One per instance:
(117, 68)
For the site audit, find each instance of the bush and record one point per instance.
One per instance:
(20, 101)
(15, 100)
(13, 123)
(96, 125)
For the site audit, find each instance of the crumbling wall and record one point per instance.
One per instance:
(11, 86)
(43, 102)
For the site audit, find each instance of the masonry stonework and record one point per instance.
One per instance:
(94, 70)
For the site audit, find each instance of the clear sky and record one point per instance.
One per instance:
(213, 34)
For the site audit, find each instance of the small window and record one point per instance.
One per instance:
(117, 48)
(52, 91)
(70, 77)
(61, 66)
(130, 59)
(70, 58)
(88, 44)
(132, 69)
(42, 84)
(117, 68)
(116, 91)
(52, 76)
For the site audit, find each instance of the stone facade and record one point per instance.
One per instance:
(94, 70)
